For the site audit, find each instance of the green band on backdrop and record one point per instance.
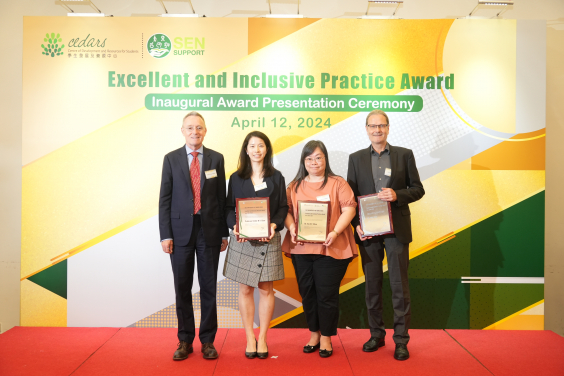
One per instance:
(283, 102)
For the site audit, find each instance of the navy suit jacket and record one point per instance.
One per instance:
(176, 202)
(404, 181)
(275, 191)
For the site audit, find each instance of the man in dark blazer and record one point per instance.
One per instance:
(192, 223)
(390, 172)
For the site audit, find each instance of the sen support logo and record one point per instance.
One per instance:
(53, 48)
(158, 45)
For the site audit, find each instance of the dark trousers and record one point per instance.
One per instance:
(182, 259)
(319, 278)
(372, 254)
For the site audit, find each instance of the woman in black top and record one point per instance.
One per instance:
(256, 263)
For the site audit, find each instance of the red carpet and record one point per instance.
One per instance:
(515, 352)
(48, 351)
(286, 345)
(432, 352)
(148, 351)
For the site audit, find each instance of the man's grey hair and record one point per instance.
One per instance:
(195, 113)
(378, 112)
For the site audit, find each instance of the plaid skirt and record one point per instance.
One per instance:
(252, 262)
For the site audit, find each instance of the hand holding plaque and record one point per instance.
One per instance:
(253, 218)
(375, 215)
(312, 221)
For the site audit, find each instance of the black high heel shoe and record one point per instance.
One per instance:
(309, 349)
(251, 354)
(262, 355)
(326, 353)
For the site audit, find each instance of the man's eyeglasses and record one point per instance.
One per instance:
(192, 129)
(373, 127)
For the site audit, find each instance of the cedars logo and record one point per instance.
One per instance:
(53, 48)
(158, 45)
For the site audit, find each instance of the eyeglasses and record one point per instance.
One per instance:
(317, 159)
(377, 126)
(192, 129)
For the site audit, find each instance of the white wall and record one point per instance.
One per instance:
(11, 30)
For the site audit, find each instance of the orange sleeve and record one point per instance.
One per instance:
(346, 195)
(289, 196)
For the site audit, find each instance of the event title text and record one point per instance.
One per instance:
(284, 81)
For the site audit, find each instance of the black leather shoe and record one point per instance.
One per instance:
(209, 351)
(401, 352)
(251, 354)
(262, 355)
(373, 344)
(309, 349)
(182, 351)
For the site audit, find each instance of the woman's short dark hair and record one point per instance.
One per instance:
(244, 167)
(308, 150)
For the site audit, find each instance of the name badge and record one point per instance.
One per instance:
(323, 198)
(260, 186)
(388, 172)
(211, 174)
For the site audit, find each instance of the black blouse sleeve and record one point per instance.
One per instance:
(230, 204)
(280, 215)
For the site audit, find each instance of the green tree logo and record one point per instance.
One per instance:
(53, 48)
(159, 45)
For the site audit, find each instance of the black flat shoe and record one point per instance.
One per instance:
(262, 355)
(309, 349)
(251, 354)
(325, 353)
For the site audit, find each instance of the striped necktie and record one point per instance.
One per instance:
(195, 178)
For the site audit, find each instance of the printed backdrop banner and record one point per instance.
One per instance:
(103, 102)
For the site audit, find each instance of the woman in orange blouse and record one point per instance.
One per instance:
(320, 267)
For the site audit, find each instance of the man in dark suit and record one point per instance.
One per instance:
(390, 172)
(192, 222)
